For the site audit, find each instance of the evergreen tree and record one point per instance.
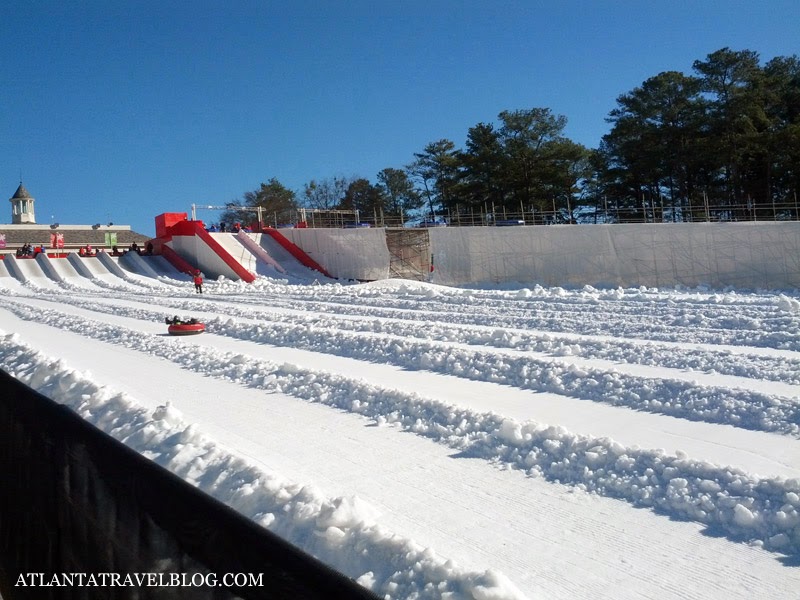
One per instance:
(736, 119)
(566, 169)
(653, 149)
(526, 136)
(365, 198)
(273, 201)
(436, 170)
(400, 196)
(484, 167)
(782, 107)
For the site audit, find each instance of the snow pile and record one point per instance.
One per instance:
(339, 531)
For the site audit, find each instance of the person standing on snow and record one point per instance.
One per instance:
(198, 282)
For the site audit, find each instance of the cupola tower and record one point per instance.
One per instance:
(22, 207)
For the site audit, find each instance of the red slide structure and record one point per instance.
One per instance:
(176, 260)
(171, 225)
(295, 251)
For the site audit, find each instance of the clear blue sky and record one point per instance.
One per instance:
(119, 110)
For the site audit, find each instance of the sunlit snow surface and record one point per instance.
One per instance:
(435, 442)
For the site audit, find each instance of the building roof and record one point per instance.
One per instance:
(21, 192)
(73, 235)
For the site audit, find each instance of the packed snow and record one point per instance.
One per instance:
(437, 442)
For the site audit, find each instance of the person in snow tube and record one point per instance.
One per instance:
(176, 320)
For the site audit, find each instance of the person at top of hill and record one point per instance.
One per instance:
(198, 281)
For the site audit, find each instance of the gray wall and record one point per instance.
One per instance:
(751, 255)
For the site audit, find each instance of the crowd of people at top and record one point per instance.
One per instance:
(234, 228)
(29, 251)
(134, 247)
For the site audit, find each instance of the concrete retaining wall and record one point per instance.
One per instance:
(751, 255)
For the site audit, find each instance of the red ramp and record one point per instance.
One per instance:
(303, 258)
(186, 243)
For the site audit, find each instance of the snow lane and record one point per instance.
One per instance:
(32, 271)
(69, 275)
(695, 361)
(781, 367)
(735, 319)
(759, 453)
(530, 536)
(643, 477)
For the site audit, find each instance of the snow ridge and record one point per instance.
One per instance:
(340, 531)
(748, 363)
(738, 407)
(743, 507)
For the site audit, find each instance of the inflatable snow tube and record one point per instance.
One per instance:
(186, 329)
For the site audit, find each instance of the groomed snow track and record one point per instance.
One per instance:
(436, 442)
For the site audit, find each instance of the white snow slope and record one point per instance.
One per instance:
(434, 442)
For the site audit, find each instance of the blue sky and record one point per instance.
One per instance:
(117, 111)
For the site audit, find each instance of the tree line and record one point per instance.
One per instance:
(721, 143)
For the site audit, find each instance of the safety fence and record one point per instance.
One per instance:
(82, 516)
(657, 211)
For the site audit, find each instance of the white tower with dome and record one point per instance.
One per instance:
(22, 207)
